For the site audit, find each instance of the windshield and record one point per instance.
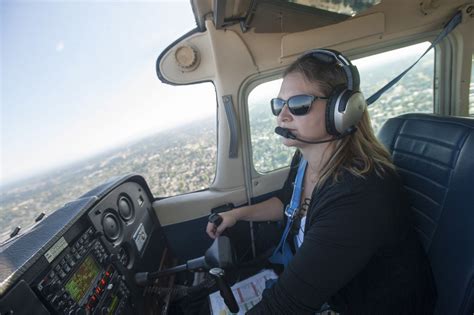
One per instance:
(81, 102)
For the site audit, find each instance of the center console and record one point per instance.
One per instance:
(82, 280)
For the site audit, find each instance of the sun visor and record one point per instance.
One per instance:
(329, 36)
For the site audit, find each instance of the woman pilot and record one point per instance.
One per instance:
(355, 247)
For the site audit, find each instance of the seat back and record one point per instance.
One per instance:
(435, 157)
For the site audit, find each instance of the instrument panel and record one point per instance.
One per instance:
(83, 281)
(91, 251)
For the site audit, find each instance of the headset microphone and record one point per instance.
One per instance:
(289, 135)
(285, 133)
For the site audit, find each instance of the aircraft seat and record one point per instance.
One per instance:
(435, 158)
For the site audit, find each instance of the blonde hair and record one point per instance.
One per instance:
(358, 153)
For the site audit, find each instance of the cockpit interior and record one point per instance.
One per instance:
(121, 249)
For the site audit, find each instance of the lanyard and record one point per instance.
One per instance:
(290, 212)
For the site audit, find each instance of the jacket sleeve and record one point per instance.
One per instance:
(344, 230)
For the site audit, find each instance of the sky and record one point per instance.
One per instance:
(78, 78)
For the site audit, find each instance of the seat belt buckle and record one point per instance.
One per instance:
(290, 212)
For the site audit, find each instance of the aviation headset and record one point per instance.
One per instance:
(346, 104)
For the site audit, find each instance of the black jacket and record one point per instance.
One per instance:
(360, 253)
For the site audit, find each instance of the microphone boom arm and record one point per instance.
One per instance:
(285, 133)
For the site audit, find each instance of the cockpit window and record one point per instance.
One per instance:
(81, 103)
(288, 16)
(412, 94)
(471, 89)
(347, 7)
(267, 150)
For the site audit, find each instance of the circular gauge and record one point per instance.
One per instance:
(111, 225)
(125, 207)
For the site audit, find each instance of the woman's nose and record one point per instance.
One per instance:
(285, 114)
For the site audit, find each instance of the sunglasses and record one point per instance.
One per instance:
(298, 105)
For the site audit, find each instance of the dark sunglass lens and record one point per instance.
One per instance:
(300, 104)
(277, 106)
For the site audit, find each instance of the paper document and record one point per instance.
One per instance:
(247, 293)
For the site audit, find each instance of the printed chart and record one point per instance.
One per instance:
(247, 293)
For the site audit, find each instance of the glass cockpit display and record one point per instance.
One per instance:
(81, 281)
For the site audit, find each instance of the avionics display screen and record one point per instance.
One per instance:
(81, 281)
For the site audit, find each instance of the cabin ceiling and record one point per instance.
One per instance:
(264, 16)
(236, 39)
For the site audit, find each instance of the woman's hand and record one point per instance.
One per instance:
(228, 219)
(268, 210)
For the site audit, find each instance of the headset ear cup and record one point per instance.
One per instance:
(332, 109)
(351, 108)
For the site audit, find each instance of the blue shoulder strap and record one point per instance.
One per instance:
(297, 190)
(282, 254)
(455, 20)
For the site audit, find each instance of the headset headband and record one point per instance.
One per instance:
(330, 56)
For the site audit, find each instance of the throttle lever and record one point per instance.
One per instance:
(215, 218)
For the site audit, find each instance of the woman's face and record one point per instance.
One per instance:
(311, 126)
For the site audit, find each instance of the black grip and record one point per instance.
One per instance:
(215, 218)
(227, 295)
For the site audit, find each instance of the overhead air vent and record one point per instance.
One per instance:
(187, 57)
